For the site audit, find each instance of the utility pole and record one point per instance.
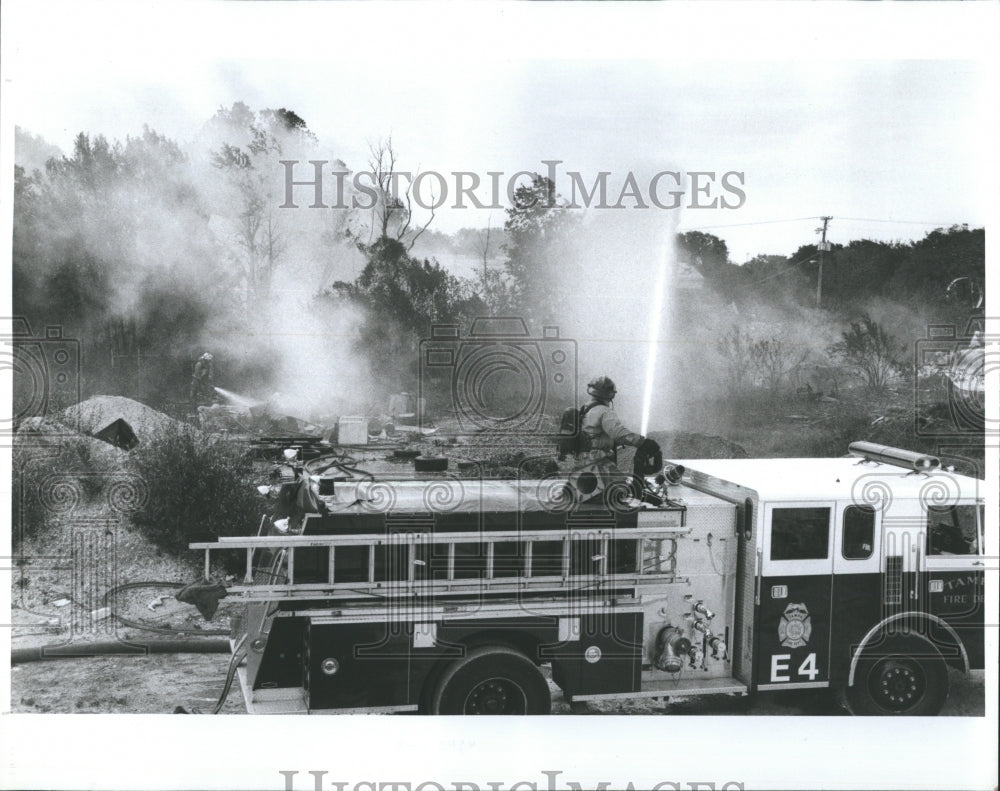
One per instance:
(823, 247)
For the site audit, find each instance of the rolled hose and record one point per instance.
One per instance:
(42, 653)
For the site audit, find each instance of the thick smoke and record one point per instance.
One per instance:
(151, 254)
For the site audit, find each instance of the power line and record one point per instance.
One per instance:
(901, 222)
(740, 224)
(818, 217)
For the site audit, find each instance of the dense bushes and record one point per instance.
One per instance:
(28, 514)
(195, 489)
(56, 476)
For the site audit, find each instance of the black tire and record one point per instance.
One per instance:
(492, 680)
(899, 677)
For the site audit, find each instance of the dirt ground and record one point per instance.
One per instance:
(158, 684)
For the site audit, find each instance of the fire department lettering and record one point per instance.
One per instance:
(795, 626)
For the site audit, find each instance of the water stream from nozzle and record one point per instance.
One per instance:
(235, 398)
(655, 323)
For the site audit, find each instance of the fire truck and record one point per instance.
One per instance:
(466, 595)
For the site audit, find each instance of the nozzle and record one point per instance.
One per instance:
(674, 472)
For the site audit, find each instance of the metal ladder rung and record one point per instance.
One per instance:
(597, 543)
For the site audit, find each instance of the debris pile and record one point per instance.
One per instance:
(46, 437)
(99, 413)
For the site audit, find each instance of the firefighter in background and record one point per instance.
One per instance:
(605, 433)
(201, 380)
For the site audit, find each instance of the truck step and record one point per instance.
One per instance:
(668, 688)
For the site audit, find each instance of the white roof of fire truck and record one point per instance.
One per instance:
(842, 478)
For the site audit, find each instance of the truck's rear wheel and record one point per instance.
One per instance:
(902, 676)
(492, 680)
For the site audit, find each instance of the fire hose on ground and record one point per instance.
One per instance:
(43, 653)
(123, 647)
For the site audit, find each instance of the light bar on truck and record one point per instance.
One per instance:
(908, 459)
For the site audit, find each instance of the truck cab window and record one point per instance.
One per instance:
(952, 530)
(800, 533)
(859, 532)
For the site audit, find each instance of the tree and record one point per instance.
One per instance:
(706, 252)
(402, 297)
(710, 256)
(112, 243)
(870, 351)
(935, 261)
(250, 143)
(392, 214)
(538, 229)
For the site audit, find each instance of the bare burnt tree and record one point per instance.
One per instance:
(392, 214)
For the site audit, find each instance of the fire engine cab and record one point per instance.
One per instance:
(452, 595)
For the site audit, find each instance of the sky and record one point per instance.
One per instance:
(890, 147)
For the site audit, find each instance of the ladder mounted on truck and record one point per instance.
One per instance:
(279, 568)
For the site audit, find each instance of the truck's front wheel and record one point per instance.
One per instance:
(902, 676)
(492, 680)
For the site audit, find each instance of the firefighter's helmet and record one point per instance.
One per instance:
(603, 388)
(207, 357)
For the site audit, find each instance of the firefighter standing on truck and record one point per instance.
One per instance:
(603, 430)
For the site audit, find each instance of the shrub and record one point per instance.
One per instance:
(871, 351)
(54, 479)
(196, 489)
(28, 515)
